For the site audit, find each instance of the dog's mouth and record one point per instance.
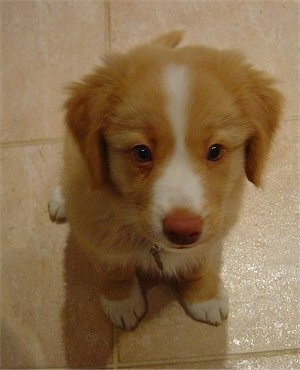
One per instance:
(182, 246)
(182, 243)
(155, 251)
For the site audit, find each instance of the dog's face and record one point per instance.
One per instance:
(173, 132)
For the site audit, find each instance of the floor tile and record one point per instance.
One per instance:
(32, 259)
(51, 317)
(263, 362)
(250, 26)
(257, 361)
(261, 257)
(45, 45)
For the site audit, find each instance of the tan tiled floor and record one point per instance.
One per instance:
(50, 313)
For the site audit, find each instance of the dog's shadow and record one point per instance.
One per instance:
(88, 333)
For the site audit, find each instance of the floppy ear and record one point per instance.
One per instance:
(85, 117)
(263, 104)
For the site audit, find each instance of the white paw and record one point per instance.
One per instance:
(125, 313)
(56, 206)
(213, 311)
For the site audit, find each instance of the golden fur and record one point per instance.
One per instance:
(108, 193)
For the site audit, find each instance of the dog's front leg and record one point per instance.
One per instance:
(204, 296)
(122, 299)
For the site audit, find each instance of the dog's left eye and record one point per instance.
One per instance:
(215, 152)
(142, 153)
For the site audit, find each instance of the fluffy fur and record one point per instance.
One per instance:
(158, 146)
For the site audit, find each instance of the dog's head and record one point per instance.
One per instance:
(173, 132)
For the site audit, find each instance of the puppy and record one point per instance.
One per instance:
(158, 146)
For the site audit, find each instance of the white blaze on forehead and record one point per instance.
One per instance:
(176, 85)
(179, 185)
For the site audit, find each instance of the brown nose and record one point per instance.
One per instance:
(182, 229)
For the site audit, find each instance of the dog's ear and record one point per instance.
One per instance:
(169, 40)
(263, 104)
(85, 117)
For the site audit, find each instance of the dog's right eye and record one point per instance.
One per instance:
(142, 153)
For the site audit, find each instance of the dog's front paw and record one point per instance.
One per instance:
(126, 313)
(56, 206)
(212, 311)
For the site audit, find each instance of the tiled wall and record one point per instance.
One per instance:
(44, 45)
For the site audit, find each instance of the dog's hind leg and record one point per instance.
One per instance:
(56, 206)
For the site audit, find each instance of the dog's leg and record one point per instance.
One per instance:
(204, 297)
(56, 206)
(122, 300)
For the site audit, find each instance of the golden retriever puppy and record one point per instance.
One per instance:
(159, 143)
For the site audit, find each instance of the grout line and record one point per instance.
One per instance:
(234, 356)
(107, 26)
(290, 118)
(110, 366)
(31, 142)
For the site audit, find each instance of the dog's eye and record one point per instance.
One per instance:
(215, 152)
(142, 153)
